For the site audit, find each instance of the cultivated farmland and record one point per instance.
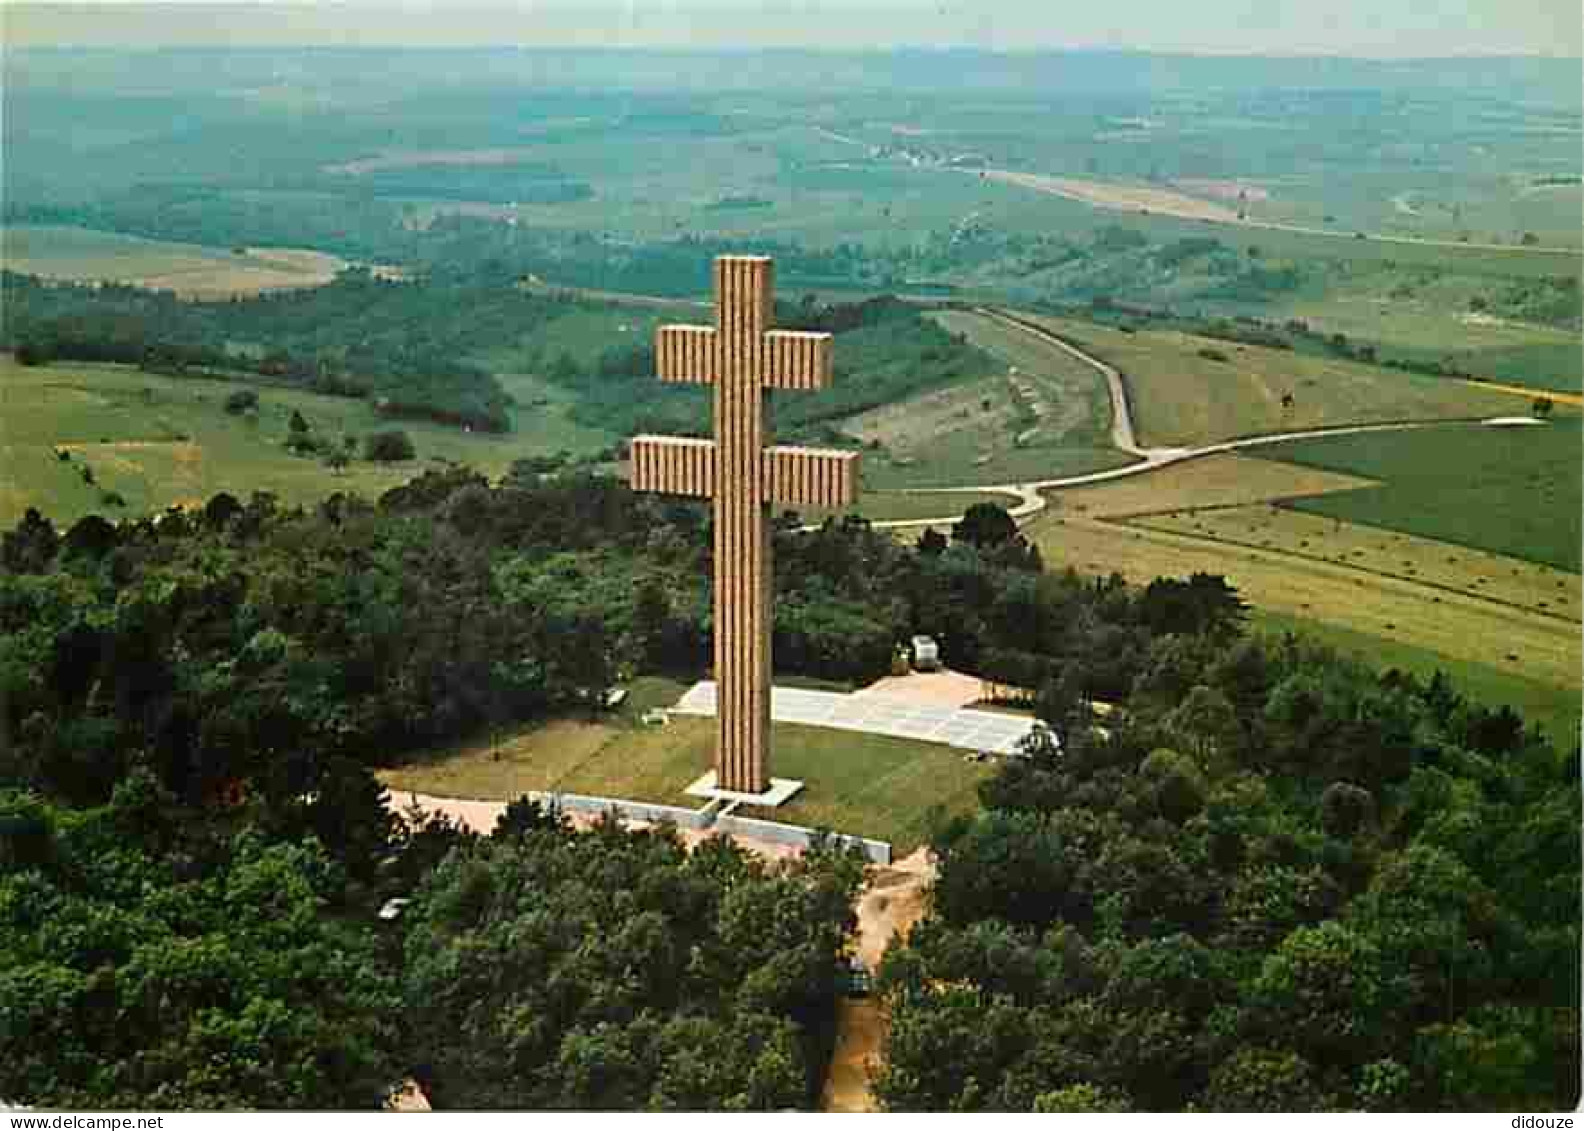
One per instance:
(1534, 588)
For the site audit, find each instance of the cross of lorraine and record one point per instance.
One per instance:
(741, 356)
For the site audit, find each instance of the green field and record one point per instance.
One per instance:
(860, 784)
(1556, 710)
(159, 441)
(1514, 491)
(1543, 365)
(1224, 515)
(191, 270)
(1180, 396)
(1430, 316)
(1503, 262)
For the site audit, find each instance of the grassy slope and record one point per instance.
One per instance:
(1548, 364)
(1506, 653)
(1555, 709)
(1539, 589)
(1539, 648)
(855, 783)
(1513, 262)
(1182, 398)
(131, 440)
(1426, 316)
(584, 333)
(1514, 491)
(1055, 419)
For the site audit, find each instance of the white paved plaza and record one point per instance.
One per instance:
(986, 731)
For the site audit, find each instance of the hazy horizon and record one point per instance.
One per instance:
(1280, 28)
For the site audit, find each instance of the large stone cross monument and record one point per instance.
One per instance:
(742, 357)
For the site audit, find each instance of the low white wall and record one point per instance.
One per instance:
(877, 851)
(773, 832)
(632, 810)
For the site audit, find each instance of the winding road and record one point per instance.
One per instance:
(1028, 492)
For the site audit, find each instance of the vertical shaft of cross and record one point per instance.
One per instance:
(742, 357)
(743, 287)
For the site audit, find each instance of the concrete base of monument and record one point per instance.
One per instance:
(780, 792)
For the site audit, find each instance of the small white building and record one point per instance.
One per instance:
(926, 654)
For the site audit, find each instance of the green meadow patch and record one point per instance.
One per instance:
(1189, 389)
(1512, 490)
(156, 441)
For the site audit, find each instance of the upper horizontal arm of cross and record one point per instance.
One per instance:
(781, 359)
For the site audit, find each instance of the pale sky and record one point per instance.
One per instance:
(1374, 28)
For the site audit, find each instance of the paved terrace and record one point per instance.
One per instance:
(985, 731)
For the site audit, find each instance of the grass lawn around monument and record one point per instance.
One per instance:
(861, 784)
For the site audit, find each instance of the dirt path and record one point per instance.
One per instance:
(1118, 197)
(891, 902)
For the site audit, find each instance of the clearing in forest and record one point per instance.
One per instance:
(860, 784)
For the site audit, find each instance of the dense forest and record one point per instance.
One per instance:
(1267, 876)
(1273, 880)
(157, 955)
